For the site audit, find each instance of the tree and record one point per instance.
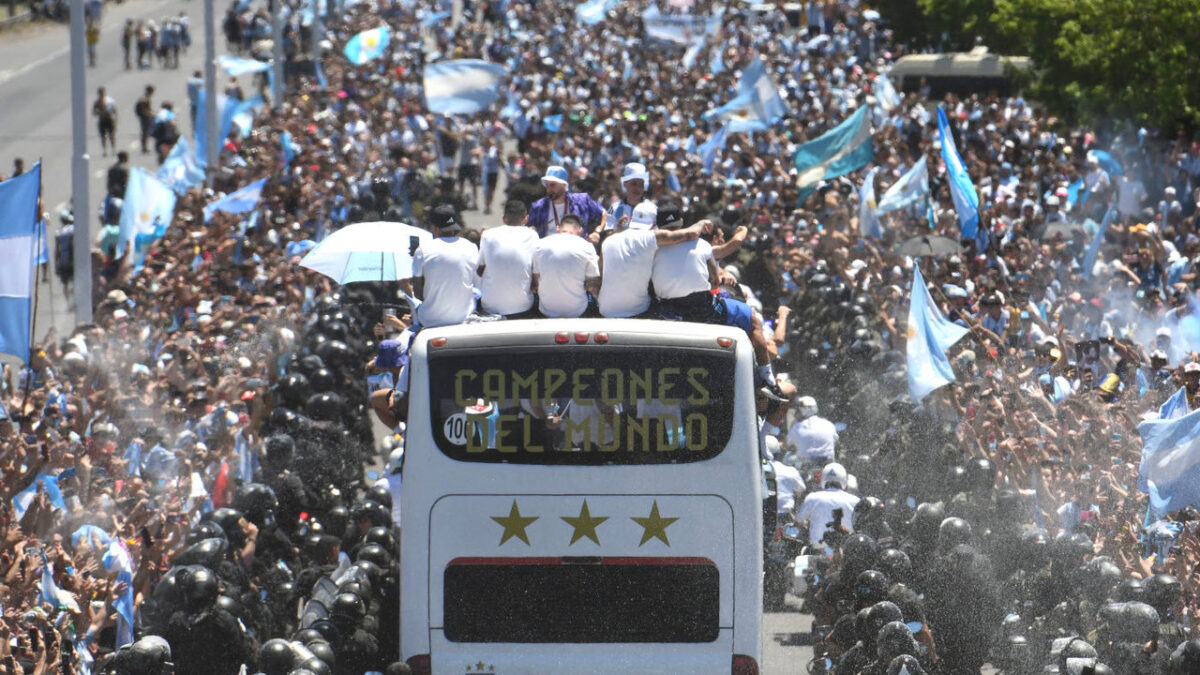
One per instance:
(1109, 59)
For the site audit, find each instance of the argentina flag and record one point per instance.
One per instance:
(240, 201)
(19, 236)
(1170, 466)
(929, 336)
(182, 169)
(149, 207)
(908, 191)
(463, 86)
(962, 190)
(367, 45)
(845, 148)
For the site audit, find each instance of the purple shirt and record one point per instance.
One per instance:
(541, 214)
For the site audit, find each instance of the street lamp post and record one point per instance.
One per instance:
(80, 202)
(213, 122)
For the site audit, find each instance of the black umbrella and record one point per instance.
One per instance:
(929, 245)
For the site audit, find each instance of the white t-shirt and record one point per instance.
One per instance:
(448, 266)
(813, 438)
(682, 269)
(1130, 196)
(563, 263)
(507, 254)
(628, 263)
(788, 486)
(818, 508)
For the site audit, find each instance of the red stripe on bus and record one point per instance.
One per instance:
(656, 561)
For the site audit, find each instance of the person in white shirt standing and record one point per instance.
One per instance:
(823, 510)
(789, 484)
(566, 271)
(813, 439)
(627, 260)
(506, 264)
(635, 181)
(444, 272)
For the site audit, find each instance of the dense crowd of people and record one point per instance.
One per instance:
(198, 462)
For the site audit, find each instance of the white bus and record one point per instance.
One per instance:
(581, 496)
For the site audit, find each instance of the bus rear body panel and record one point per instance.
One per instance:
(585, 562)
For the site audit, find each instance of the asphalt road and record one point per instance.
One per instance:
(786, 643)
(35, 111)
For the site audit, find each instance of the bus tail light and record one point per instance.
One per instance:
(438, 342)
(562, 337)
(742, 665)
(778, 534)
(601, 338)
(421, 665)
(581, 337)
(726, 342)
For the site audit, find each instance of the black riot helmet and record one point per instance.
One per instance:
(1163, 592)
(952, 532)
(205, 529)
(347, 610)
(893, 640)
(870, 587)
(376, 554)
(981, 474)
(275, 657)
(1185, 660)
(150, 655)
(231, 522)
(199, 588)
(1131, 590)
(905, 664)
(1138, 623)
(280, 448)
(380, 495)
(207, 552)
(381, 536)
(257, 502)
(925, 523)
(895, 564)
(858, 552)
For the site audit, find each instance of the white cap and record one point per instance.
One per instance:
(833, 474)
(643, 216)
(807, 406)
(1163, 332)
(635, 171)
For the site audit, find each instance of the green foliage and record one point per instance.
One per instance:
(1095, 60)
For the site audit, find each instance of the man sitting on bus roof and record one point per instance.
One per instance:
(566, 271)
(627, 259)
(506, 265)
(444, 272)
(684, 277)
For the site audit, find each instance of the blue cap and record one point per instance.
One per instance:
(555, 174)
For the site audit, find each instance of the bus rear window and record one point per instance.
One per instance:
(608, 600)
(582, 406)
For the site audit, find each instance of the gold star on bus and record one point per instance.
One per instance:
(514, 524)
(584, 524)
(479, 666)
(654, 526)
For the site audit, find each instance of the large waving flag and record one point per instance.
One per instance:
(1093, 249)
(757, 105)
(182, 169)
(240, 201)
(149, 207)
(868, 219)
(962, 190)
(680, 30)
(885, 93)
(929, 336)
(19, 242)
(24, 498)
(910, 190)
(117, 560)
(845, 148)
(236, 65)
(708, 149)
(1175, 407)
(1170, 467)
(593, 12)
(367, 45)
(463, 87)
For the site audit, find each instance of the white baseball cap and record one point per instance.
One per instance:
(635, 171)
(644, 215)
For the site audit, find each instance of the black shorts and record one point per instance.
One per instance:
(469, 172)
(107, 127)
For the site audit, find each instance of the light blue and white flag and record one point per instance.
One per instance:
(463, 86)
(757, 105)
(962, 190)
(593, 12)
(1093, 249)
(117, 560)
(288, 147)
(182, 169)
(247, 459)
(845, 148)
(91, 534)
(552, 123)
(227, 107)
(240, 201)
(868, 220)
(708, 150)
(146, 214)
(24, 498)
(367, 45)
(1175, 407)
(929, 336)
(716, 62)
(1170, 466)
(50, 593)
(236, 65)
(243, 114)
(885, 93)
(1107, 162)
(908, 191)
(434, 18)
(678, 29)
(19, 243)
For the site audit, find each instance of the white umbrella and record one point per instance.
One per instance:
(376, 251)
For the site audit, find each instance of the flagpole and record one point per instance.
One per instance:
(211, 152)
(80, 201)
(277, 50)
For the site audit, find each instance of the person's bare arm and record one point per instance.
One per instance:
(714, 273)
(732, 245)
(672, 237)
(592, 284)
